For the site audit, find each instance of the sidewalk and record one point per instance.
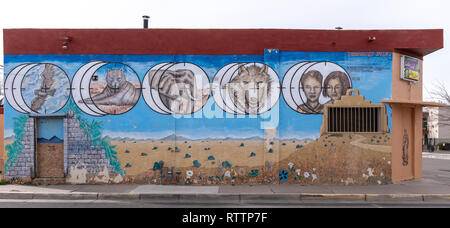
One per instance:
(411, 190)
(435, 185)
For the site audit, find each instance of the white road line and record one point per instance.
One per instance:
(436, 156)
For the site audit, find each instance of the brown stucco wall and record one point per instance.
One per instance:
(406, 117)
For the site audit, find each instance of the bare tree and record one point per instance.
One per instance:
(439, 92)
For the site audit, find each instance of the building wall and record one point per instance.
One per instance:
(444, 123)
(252, 131)
(433, 123)
(2, 145)
(439, 124)
(407, 125)
(21, 165)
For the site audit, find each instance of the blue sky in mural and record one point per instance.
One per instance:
(370, 74)
(49, 128)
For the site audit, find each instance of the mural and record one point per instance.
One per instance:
(176, 88)
(37, 88)
(219, 119)
(246, 88)
(307, 86)
(113, 88)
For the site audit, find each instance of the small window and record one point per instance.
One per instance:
(354, 119)
(352, 113)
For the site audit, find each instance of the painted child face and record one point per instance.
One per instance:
(312, 89)
(334, 89)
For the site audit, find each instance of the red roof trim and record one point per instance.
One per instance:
(216, 41)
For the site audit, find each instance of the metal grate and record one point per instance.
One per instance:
(354, 119)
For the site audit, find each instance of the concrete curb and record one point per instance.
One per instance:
(210, 198)
(285, 198)
(344, 197)
(66, 196)
(118, 196)
(16, 195)
(436, 197)
(225, 198)
(394, 197)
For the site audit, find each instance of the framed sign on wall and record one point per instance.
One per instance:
(410, 68)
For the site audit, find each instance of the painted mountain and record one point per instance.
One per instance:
(53, 139)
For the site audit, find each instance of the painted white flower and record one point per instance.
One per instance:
(370, 171)
(314, 177)
(298, 171)
(290, 165)
(389, 162)
(349, 181)
(381, 174)
(365, 176)
(306, 174)
(189, 174)
(379, 182)
(228, 173)
(314, 169)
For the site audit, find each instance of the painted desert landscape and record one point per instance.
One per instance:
(331, 159)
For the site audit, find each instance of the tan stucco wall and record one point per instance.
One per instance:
(407, 117)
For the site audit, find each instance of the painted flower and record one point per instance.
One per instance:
(370, 171)
(283, 175)
(314, 177)
(228, 173)
(298, 171)
(314, 169)
(242, 172)
(189, 174)
(290, 165)
(306, 174)
(269, 166)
